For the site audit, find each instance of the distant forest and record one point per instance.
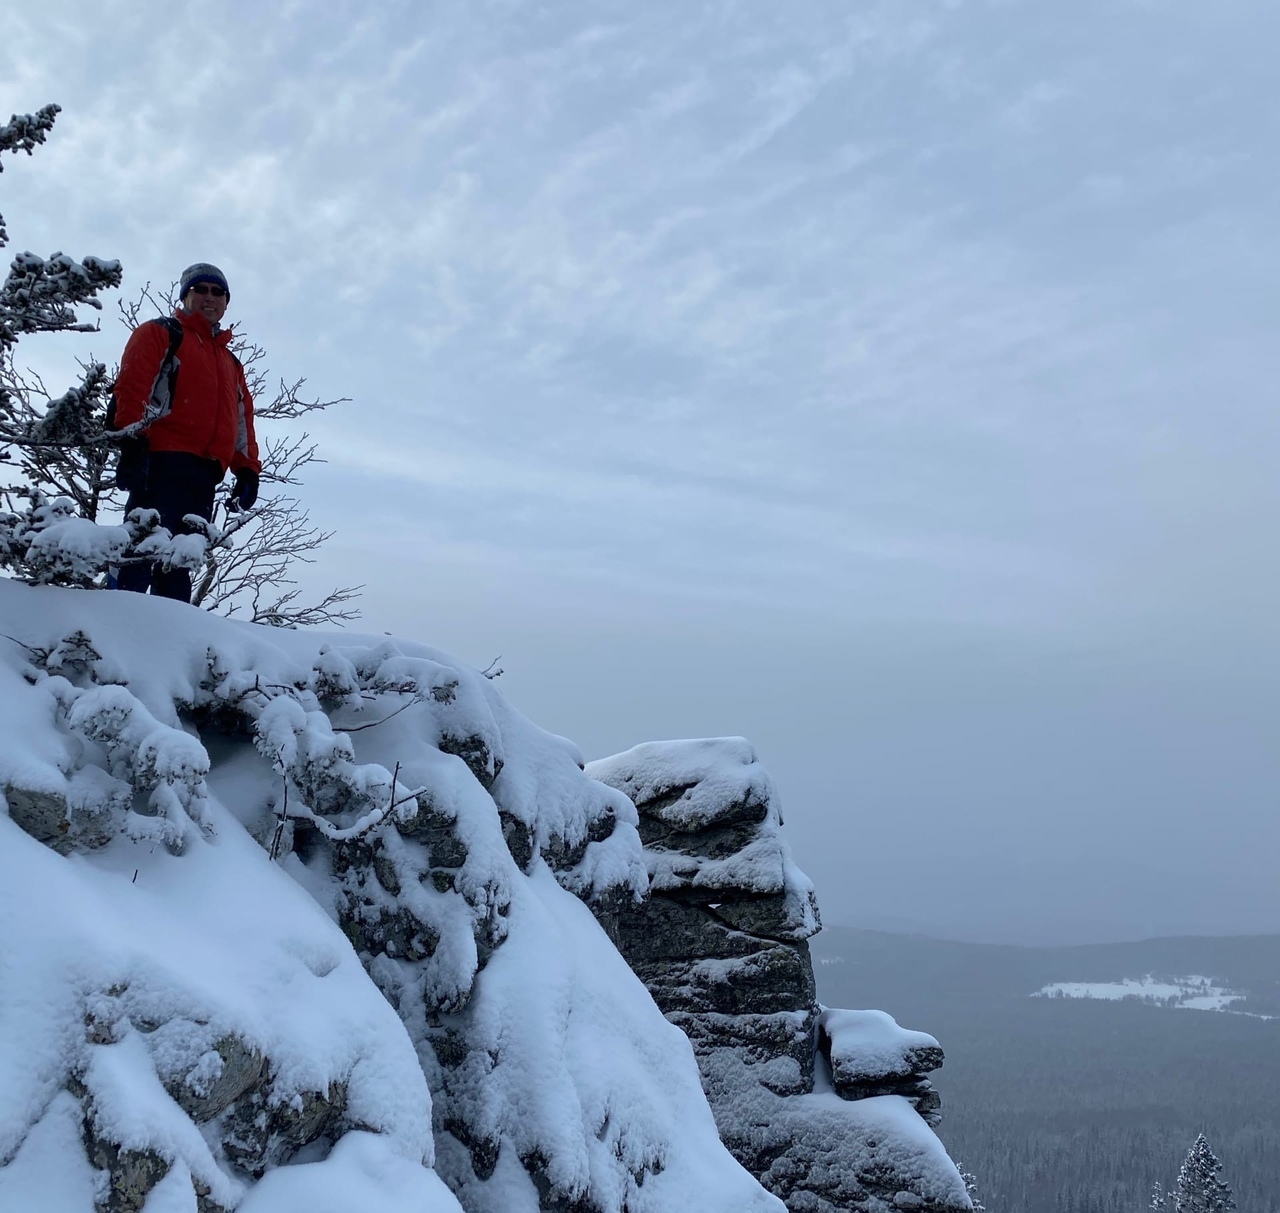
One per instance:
(1066, 1106)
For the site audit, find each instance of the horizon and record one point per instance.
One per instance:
(990, 943)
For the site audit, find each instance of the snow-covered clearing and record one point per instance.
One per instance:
(1190, 993)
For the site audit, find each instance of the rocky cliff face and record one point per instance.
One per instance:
(829, 1109)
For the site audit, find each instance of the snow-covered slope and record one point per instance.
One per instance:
(285, 898)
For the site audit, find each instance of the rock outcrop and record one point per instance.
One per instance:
(827, 1108)
(868, 1054)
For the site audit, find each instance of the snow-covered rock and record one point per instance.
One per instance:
(280, 897)
(829, 1109)
(868, 1055)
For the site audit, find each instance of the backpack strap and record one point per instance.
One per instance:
(166, 377)
(174, 327)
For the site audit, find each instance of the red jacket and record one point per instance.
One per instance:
(211, 413)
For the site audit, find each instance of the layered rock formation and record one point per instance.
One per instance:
(827, 1108)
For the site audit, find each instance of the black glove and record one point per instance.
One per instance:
(134, 463)
(245, 490)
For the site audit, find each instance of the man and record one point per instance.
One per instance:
(181, 378)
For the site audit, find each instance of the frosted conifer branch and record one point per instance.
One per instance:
(24, 131)
(21, 134)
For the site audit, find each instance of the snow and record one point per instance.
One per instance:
(700, 785)
(182, 943)
(363, 1172)
(878, 1136)
(703, 776)
(172, 739)
(549, 1075)
(59, 545)
(50, 1171)
(1192, 993)
(871, 1044)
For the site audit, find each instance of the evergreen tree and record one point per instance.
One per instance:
(971, 1187)
(1200, 1188)
(57, 444)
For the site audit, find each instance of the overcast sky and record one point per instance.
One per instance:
(892, 383)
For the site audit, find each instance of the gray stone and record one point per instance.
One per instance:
(242, 1068)
(204, 1201)
(43, 815)
(257, 1134)
(759, 1040)
(474, 750)
(869, 1055)
(663, 930)
(437, 831)
(774, 917)
(757, 871)
(386, 872)
(562, 855)
(482, 1150)
(131, 1174)
(778, 978)
(449, 1045)
(664, 805)
(375, 931)
(519, 839)
(555, 1199)
(713, 842)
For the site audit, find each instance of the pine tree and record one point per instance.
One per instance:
(971, 1187)
(1199, 1188)
(37, 433)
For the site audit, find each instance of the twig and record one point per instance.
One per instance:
(23, 644)
(282, 816)
(365, 824)
(373, 724)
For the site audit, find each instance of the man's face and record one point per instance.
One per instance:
(207, 300)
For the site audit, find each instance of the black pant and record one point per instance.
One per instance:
(178, 484)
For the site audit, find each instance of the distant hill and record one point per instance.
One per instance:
(1062, 1105)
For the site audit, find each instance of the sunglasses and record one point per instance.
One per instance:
(206, 288)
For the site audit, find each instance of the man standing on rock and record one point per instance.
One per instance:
(179, 376)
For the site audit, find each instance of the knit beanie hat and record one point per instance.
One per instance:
(202, 271)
